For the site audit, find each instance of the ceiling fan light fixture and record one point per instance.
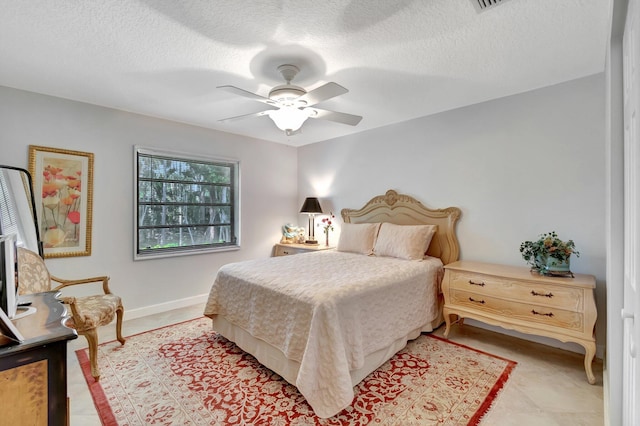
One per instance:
(294, 103)
(289, 119)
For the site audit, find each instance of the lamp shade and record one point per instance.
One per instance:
(311, 205)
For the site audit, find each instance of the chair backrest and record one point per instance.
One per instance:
(33, 275)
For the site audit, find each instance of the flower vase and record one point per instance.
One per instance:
(539, 264)
(557, 266)
(327, 239)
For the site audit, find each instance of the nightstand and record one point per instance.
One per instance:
(515, 298)
(288, 249)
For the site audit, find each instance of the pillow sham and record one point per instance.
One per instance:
(358, 237)
(404, 241)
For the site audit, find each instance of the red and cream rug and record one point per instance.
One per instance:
(185, 374)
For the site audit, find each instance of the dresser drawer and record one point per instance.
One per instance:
(289, 249)
(542, 294)
(286, 251)
(531, 313)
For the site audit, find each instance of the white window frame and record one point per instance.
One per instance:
(179, 155)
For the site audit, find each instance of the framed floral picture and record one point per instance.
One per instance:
(63, 191)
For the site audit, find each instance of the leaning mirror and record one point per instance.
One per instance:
(17, 208)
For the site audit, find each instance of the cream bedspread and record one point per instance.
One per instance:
(327, 310)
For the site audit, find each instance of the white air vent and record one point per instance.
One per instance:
(482, 5)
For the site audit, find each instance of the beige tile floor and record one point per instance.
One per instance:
(548, 386)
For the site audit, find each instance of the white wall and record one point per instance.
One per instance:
(517, 167)
(268, 192)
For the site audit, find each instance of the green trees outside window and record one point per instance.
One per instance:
(184, 204)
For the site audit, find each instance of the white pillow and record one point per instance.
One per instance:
(358, 237)
(404, 241)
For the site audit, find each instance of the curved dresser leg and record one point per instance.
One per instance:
(590, 353)
(447, 320)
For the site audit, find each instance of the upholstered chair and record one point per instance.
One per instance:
(87, 312)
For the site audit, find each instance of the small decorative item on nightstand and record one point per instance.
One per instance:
(549, 255)
(327, 225)
(292, 234)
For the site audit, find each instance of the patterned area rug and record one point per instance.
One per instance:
(185, 374)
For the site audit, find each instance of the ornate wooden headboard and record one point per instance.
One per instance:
(402, 209)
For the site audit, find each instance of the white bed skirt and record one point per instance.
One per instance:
(273, 358)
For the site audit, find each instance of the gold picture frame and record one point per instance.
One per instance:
(63, 192)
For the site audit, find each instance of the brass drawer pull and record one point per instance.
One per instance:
(471, 299)
(535, 293)
(481, 284)
(534, 312)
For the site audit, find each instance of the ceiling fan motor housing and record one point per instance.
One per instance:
(286, 93)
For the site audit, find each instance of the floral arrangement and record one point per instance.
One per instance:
(327, 225)
(546, 250)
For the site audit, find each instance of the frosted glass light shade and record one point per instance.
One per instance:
(289, 118)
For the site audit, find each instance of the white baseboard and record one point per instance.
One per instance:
(164, 307)
(569, 346)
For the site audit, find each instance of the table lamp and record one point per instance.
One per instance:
(311, 207)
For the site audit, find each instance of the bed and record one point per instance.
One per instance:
(325, 320)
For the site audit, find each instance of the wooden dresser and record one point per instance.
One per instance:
(33, 374)
(516, 298)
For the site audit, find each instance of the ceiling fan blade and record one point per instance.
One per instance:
(322, 93)
(241, 117)
(339, 117)
(250, 95)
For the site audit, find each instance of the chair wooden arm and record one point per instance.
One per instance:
(78, 320)
(67, 300)
(66, 283)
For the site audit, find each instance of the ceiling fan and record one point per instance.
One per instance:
(292, 105)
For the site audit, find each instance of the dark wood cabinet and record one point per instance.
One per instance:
(33, 374)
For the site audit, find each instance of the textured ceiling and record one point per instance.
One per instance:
(399, 59)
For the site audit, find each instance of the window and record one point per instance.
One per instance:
(184, 204)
